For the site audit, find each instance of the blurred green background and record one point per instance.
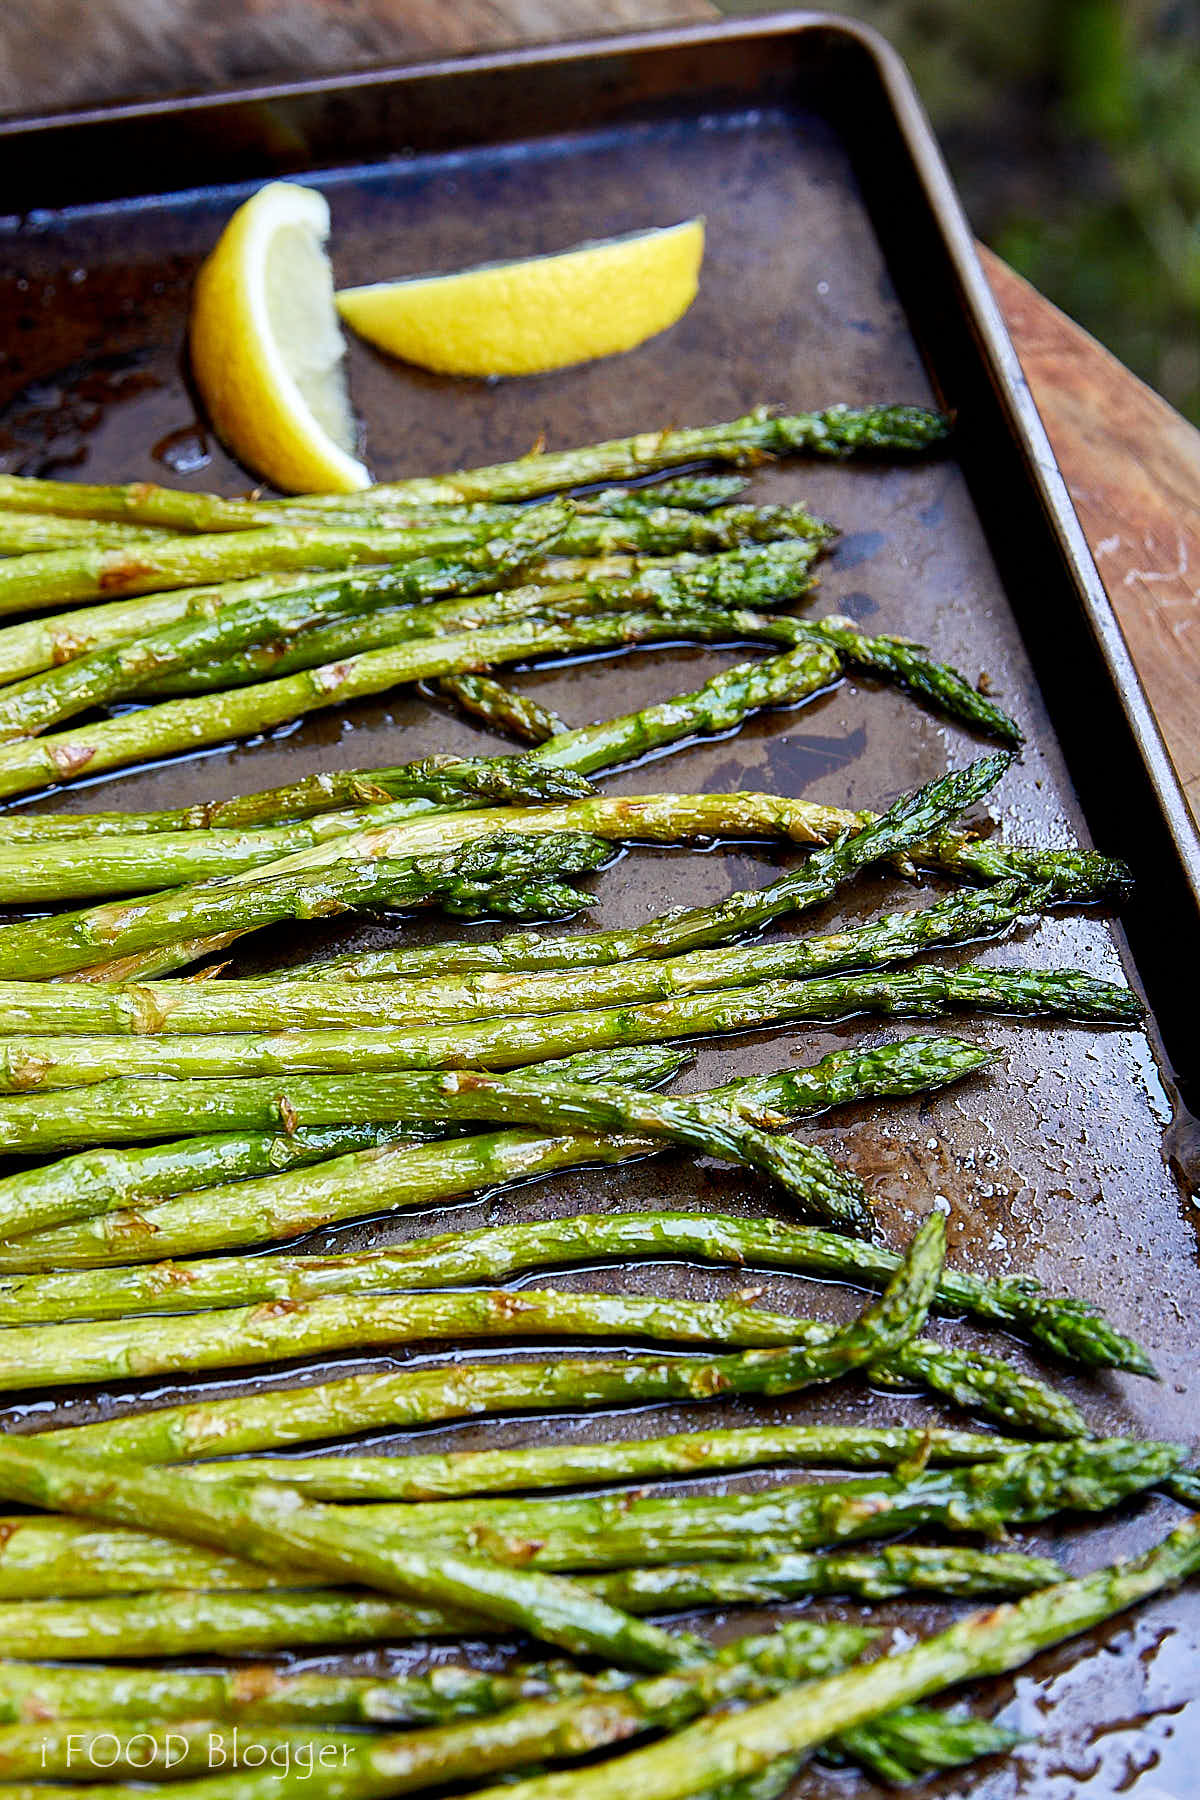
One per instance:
(1073, 131)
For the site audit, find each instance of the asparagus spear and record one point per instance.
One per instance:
(20, 532)
(983, 1644)
(204, 1622)
(189, 724)
(437, 782)
(517, 715)
(460, 877)
(80, 505)
(171, 1007)
(31, 1063)
(885, 1573)
(644, 1538)
(762, 577)
(263, 1694)
(175, 917)
(1066, 1326)
(536, 1468)
(213, 1620)
(619, 1531)
(56, 1355)
(892, 659)
(863, 841)
(838, 431)
(1080, 875)
(102, 1181)
(277, 1528)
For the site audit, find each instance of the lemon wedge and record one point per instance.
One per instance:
(545, 312)
(267, 350)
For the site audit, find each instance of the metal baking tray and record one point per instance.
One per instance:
(839, 266)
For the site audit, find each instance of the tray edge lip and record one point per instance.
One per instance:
(994, 340)
(540, 52)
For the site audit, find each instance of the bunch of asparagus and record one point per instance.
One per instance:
(411, 1076)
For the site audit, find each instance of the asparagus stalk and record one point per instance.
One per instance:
(535, 1468)
(79, 506)
(435, 782)
(20, 532)
(694, 493)
(33, 1063)
(857, 843)
(214, 1621)
(594, 1716)
(172, 918)
(189, 724)
(900, 1747)
(262, 1694)
(277, 1528)
(808, 1174)
(914, 1741)
(460, 878)
(643, 1538)
(47, 641)
(886, 1573)
(105, 1180)
(838, 431)
(763, 576)
(57, 1355)
(129, 1182)
(619, 1531)
(1081, 875)
(171, 1007)
(1068, 1327)
(516, 715)
(984, 1644)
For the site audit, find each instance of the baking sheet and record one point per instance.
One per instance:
(1057, 1162)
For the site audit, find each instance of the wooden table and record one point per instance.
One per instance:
(1131, 463)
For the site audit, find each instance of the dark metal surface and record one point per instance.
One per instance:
(838, 267)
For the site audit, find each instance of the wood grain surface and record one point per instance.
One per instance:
(1133, 467)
